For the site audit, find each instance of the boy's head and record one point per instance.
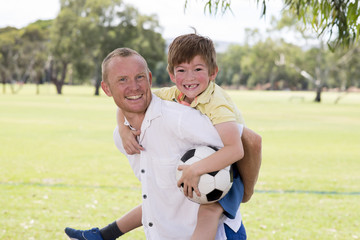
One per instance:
(185, 47)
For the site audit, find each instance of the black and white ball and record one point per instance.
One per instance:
(212, 186)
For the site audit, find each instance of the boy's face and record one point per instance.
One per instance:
(192, 78)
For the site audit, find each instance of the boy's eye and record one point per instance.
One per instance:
(180, 70)
(198, 69)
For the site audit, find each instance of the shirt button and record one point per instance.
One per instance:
(142, 170)
(144, 196)
(150, 224)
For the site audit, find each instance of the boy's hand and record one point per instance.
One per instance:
(129, 141)
(190, 180)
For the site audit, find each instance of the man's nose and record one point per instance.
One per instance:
(133, 84)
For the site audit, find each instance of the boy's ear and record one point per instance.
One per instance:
(172, 77)
(213, 76)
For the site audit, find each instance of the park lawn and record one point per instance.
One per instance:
(59, 165)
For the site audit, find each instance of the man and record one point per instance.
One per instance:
(167, 131)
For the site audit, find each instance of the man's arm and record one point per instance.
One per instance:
(250, 164)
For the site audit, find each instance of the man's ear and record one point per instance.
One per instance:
(150, 78)
(213, 76)
(105, 87)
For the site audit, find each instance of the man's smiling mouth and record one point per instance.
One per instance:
(135, 97)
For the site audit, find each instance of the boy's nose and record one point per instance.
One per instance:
(190, 75)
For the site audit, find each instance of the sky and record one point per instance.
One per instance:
(171, 16)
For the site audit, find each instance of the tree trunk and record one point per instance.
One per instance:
(98, 78)
(3, 83)
(58, 83)
(97, 86)
(318, 94)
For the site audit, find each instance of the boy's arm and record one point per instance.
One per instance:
(230, 153)
(250, 164)
(127, 135)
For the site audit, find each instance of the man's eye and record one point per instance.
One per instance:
(122, 79)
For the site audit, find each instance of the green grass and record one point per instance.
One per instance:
(59, 165)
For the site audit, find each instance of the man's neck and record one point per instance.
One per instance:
(135, 119)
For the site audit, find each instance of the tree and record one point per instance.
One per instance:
(23, 54)
(319, 62)
(84, 32)
(337, 19)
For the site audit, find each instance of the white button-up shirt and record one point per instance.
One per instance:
(168, 130)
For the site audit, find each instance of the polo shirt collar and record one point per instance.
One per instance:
(203, 98)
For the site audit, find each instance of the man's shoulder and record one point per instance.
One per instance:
(173, 110)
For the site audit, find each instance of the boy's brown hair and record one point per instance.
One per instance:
(185, 47)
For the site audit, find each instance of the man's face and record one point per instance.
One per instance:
(129, 83)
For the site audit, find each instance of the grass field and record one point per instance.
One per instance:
(59, 166)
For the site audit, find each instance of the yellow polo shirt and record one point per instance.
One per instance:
(214, 102)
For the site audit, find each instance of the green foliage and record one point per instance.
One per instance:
(86, 31)
(23, 52)
(59, 165)
(338, 19)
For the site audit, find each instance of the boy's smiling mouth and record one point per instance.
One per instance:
(191, 86)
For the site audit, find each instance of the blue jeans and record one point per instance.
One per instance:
(239, 235)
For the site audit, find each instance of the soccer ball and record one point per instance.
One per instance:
(214, 185)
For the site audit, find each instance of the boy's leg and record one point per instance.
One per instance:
(128, 222)
(207, 221)
(249, 166)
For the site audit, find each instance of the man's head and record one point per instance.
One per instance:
(185, 47)
(127, 78)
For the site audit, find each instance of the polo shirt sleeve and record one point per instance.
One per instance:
(166, 93)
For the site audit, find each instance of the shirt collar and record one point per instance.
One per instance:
(153, 111)
(203, 98)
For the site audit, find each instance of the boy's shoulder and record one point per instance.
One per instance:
(214, 94)
(166, 93)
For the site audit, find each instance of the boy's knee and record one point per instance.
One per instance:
(212, 209)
